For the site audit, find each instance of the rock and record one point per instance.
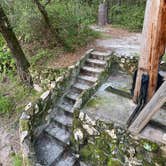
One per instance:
(78, 135)
(164, 137)
(123, 60)
(112, 133)
(37, 88)
(45, 95)
(81, 116)
(36, 108)
(53, 84)
(25, 116)
(23, 135)
(28, 106)
(88, 120)
(90, 130)
(131, 151)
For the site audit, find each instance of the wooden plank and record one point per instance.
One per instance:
(149, 110)
(152, 45)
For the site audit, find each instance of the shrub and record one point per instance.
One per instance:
(7, 63)
(6, 105)
(72, 19)
(130, 17)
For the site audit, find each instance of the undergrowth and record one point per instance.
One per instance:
(6, 105)
(17, 160)
(130, 17)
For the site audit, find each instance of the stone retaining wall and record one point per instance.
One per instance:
(35, 114)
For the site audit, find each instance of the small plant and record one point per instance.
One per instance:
(7, 63)
(17, 160)
(41, 55)
(6, 105)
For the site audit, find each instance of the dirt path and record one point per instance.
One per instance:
(119, 40)
(9, 140)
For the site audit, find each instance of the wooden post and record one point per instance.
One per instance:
(152, 45)
(149, 110)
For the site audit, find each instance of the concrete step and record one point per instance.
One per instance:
(47, 149)
(97, 62)
(66, 106)
(63, 119)
(92, 79)
(100, 55)
(67, 160)
(58, 133)
(81, 87)
(73, 95)
(92, 69)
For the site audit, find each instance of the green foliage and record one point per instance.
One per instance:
(130, 17)
(7, 63)
(41, 55)
(24, 18)
(6, 105)
(72, 18)
(17, 160)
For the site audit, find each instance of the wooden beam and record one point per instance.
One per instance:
(152, 45)
(149, 110)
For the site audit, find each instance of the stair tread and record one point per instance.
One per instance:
(59, 133)
(81, 86)
(64, 119)
(73, 95)
(66, 106)
(88, 78)
(96, 61)
(66, 160)
(92, 69)
(47, 149)
(98, 53)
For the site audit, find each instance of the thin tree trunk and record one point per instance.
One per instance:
(16, 50)
(103, 14)
(45, 16)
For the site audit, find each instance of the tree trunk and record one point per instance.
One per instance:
(103, 14)
(45, 16)
(18, 54)
(152, 45)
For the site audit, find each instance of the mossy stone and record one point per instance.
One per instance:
(24, 125)
(114, 162)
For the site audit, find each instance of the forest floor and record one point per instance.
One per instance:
(119, 40)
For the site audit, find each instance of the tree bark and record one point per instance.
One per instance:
(149, 110)
(16, 50)
(152, 45)
(45, 16)
(103, 14)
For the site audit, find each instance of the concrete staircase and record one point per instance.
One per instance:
(52, 146)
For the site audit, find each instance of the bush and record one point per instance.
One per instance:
(6, 105)
(7, 63)
(130, 17)
(72, 19)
